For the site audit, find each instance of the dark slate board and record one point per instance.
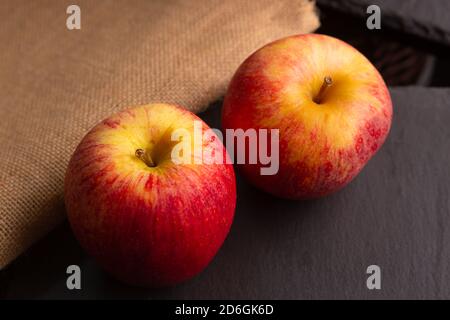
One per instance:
(395, 214)
(426, 19)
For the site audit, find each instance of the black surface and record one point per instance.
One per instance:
(426, 19)
(395, 214)
(412, 47)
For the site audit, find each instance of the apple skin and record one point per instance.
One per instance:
(148, 226)
(322, 146)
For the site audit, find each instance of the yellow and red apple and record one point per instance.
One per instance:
(330, 104)
(145, 219)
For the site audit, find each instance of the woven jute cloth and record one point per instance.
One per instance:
(55, 83)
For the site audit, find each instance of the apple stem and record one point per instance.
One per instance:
(327, 82)
(141, 154)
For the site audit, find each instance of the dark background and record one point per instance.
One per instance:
(395, 214)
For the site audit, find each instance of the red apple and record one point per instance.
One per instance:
(145, 219)
(330, 104)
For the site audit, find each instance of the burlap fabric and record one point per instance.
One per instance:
(55, 84)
